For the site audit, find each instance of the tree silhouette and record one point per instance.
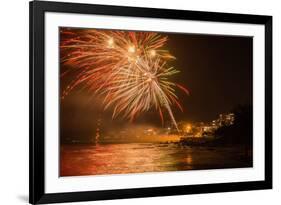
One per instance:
(241, 131)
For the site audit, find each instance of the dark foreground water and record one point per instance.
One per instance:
(147, 157)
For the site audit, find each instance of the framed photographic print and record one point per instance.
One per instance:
(140, 102)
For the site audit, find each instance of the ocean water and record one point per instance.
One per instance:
(104, 159)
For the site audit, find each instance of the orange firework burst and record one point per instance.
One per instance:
(129, 69)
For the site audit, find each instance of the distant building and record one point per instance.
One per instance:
(226, 119)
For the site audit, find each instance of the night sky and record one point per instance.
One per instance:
(217, 70)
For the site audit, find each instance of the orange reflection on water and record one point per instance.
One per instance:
(78, 160)
(115, 159)
(189, 159)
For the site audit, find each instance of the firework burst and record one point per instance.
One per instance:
(129, 69)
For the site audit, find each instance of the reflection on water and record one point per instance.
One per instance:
(146, 157)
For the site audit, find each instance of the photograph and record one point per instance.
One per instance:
(133, 102)
(143, 101)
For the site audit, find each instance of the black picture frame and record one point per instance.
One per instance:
(37, 194)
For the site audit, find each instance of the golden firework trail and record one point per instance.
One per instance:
(129, 69)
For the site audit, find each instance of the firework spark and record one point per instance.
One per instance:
(129, 69)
